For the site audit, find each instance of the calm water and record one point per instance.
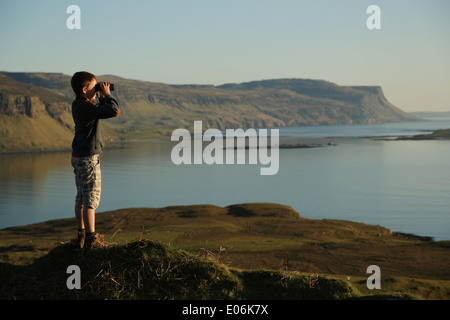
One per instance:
(401, 185)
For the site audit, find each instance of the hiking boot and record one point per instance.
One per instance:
(94, 241)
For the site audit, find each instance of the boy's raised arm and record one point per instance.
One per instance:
(107, 108)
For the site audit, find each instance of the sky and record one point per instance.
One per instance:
(229, 41)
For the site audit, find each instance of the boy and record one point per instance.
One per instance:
(87, 145)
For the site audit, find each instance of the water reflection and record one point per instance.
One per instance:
(34, 166)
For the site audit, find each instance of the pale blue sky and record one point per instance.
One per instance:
(222, 41)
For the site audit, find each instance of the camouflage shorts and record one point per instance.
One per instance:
(88, 180)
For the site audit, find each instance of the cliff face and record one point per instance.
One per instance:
(30, 106)
(150, 109)
(18, 98)
(322, 102)
(268, 103)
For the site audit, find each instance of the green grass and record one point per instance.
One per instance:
(421, 289)
(151, 270)
(155, 271)
(42, 133)
(250, 245)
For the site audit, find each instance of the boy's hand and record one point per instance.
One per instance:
(104, 89)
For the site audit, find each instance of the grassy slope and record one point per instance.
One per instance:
(151, 270)
(258, 246)
(42, 133)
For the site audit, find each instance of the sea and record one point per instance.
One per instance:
(359, 173)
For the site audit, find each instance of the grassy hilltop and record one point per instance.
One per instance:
(246, 251)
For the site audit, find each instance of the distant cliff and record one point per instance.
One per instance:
(19, 104)
(33, 118)
(40, 102)
(304, 101)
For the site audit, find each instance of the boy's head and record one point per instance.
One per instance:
(83, 84)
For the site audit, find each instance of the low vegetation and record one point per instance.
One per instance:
(151, 270)
(246, 251)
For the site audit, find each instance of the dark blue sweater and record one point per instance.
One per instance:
(86, 114)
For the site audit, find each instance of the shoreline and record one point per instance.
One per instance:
(299, 141)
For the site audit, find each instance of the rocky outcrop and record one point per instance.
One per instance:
(12, 104)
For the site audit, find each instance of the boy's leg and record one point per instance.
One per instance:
(80, 224)
(85, 217)
(88, 178)
(79, 215)
(89, 219)
(79, 242)
(88, 181)
(93, 239)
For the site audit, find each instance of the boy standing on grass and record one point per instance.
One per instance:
(87, 145)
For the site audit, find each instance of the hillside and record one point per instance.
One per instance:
(34, 103)
(256, 251)
(154, 271)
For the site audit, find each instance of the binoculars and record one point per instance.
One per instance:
(111, 87)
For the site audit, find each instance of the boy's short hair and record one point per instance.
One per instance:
(80, 80)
